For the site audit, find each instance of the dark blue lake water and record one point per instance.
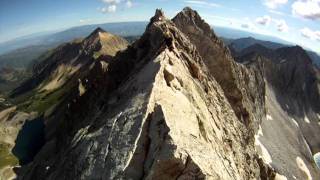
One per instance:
(29, 141)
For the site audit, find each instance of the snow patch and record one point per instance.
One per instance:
(303, 167)
(269, 117)
(306, 119)
(287, 106)
(280, 177)
(307, 146)
(260, 133)
(295, 122)
(265, 155)
(81, 88)
(283, 61)
(104, 66)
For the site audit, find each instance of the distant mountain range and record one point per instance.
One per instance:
(53, 39)
(121, 29)
(246, 45)
(32, 46)
(175, 103)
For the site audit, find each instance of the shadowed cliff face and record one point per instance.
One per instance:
(172, 105)
(292, 103)
(156, 111)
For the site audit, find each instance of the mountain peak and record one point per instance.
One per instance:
(96, 33)
(158, 16)
(97, 30)
(188, 10)
(192, 18)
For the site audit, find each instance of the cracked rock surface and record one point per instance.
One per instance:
(164, 108)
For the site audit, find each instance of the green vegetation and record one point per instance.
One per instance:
(21, 58)
(42, 101)
(96, 54)
(6, 157)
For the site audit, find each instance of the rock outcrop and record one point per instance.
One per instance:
(164, 108)
(243, 87)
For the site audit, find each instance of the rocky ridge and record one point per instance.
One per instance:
(173, 105)
(155, 111)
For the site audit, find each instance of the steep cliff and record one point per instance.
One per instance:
(158, 110)
(243, 87)
(288, 137)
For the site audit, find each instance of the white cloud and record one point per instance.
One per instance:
(282, 25)
(310, 34)
(84, 20)
(273, 4)
(276, 12)
(129, 4)
(265, 20)
(309, 9)
(112, 8)
(109, 9)
(202, 3)
(279, 23)
(111, 1)
(245, 25)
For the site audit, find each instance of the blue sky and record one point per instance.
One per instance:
(296, 21)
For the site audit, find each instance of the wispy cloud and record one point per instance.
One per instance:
(309, 9)
(245, 25)
(276, 12)
(282, 25)
(129, 4)
(83, 21)
(273, 4)
(265, 20)
(111, 6)
(310, 34)
(202, 3)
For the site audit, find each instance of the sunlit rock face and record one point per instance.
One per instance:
(156, 112)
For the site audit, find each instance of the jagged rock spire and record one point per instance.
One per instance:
(158, 16)
(191, 17)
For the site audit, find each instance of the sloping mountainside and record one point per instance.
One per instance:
(21, 58)
(51, 85)
(11, 78)
(292, 103)
(240, 44)
(156, 113)
(21, 61)
(172, 105)
(243, 46)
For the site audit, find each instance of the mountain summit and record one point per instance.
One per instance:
(174, 104)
